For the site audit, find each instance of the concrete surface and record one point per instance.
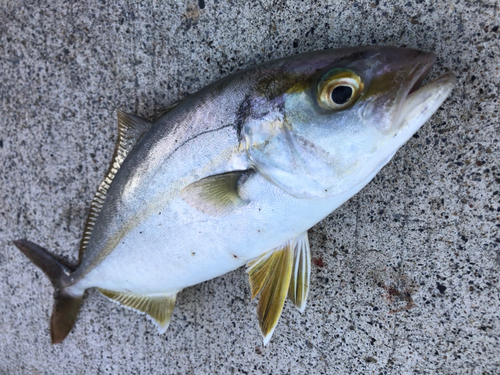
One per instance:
(405, 275)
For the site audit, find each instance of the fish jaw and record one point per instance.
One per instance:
(415, 110)
(382, 101)
(421, 104)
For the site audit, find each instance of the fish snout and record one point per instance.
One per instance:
(399, 75)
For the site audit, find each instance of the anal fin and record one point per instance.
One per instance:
(279, 273)
(158, 307)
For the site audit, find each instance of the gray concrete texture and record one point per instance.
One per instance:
(405, 275)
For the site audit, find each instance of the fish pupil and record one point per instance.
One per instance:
(341, 94)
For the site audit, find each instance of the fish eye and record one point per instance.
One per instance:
(339, 89)
(341, 94)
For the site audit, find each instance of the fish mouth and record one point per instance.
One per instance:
(418, 104)
(421, 102)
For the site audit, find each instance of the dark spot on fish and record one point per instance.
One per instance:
(1, 143)
(441, 288)
(295, 43)
(159, 213)
(193, 253)
(494, 29)
(235, 256)
(257, 350)
(318, 262)
(201, 4)
(140, 232)
(258, 230)
(242, 114)
(370, 360)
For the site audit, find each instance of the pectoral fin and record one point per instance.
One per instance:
(276, 274)
(159, 307)
(215, 195)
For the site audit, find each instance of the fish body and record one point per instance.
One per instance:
(237, 173)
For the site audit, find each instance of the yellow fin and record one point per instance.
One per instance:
(299, 283)
(215, 195)
(158, 307)
(270, 276)
(130, 129)
(282, 272)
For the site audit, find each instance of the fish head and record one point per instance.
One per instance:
(325, 123)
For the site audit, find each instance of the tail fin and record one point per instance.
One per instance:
(66, 306)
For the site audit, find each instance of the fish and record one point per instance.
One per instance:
(235, 174)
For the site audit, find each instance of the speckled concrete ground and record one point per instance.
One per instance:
(405, 275)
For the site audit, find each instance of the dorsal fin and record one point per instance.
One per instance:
(281, 272)
(130, 129)
(167, 109)
(159, 307)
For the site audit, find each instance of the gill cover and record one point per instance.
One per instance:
(289, 159)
